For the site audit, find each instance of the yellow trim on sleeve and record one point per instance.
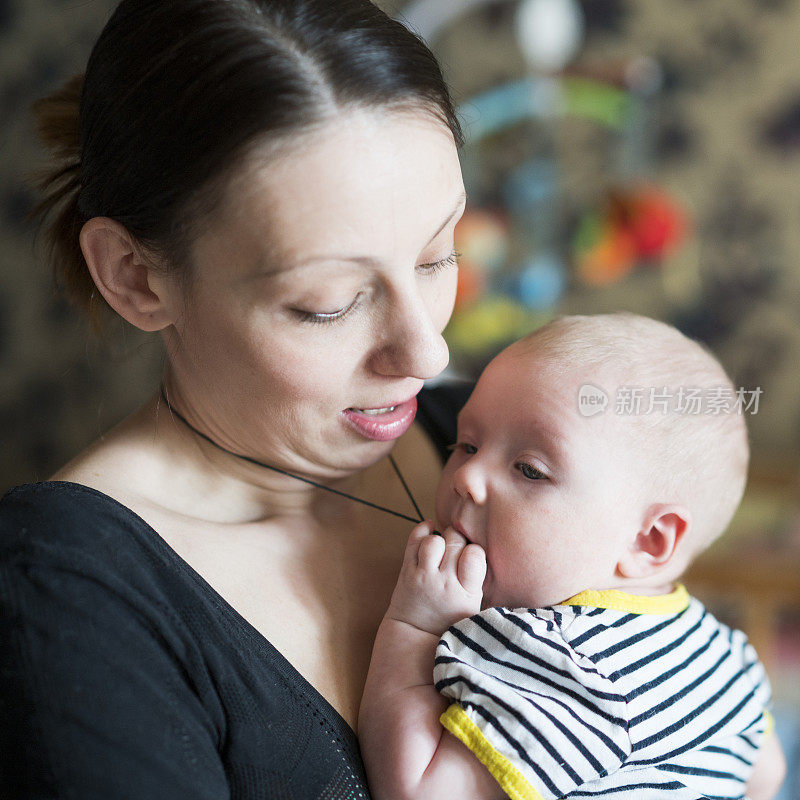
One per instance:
(770, 720)
(671, 603)
(511, 780)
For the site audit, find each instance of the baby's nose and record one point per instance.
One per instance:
(469, 482)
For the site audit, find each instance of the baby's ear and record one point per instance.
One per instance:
(656, 543)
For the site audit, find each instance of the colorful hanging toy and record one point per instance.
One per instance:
(482, 243)
(639, 225)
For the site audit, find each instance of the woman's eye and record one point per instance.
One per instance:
(530, 472)
(323, 317)
(327, 316)
(435, 266)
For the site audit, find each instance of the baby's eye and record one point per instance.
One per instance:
(530, 471)
(469, 449)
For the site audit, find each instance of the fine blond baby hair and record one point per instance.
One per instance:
(695, 457)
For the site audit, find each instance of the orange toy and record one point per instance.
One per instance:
(632, 227)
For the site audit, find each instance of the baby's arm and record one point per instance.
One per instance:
(769, 770)
(407, 752)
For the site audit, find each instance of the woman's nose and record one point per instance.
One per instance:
(411, 344)
(469, 482)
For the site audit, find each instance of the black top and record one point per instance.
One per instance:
(125, 676)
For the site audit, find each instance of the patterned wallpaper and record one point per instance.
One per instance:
(60, 387)
(728, 146)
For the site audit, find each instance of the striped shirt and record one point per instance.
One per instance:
(607, 695)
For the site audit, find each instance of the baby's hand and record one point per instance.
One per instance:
(441, 580)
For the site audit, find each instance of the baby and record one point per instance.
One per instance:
(569, 519)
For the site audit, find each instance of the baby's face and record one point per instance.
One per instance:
(552, 496)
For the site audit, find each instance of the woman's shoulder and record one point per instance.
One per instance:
(69, 552)
(110, 632)
(59, 533)
(56, 513)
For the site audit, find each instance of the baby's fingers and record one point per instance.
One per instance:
(418, 535)
(454, 545)
(430, 552)
(471, 568)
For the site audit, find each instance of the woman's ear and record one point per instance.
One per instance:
(656, 543)
(123, 276)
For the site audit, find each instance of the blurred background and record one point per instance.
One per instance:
(621, 155)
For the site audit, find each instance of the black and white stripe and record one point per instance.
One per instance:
(592, 702)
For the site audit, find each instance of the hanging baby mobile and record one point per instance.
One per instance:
(518, 255)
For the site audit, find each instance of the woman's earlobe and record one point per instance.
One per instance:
(123, 276)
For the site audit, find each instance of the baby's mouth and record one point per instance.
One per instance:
(456, 525)
(464, 534)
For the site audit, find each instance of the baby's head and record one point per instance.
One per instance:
(565, 498)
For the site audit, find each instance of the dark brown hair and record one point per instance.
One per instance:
(175, 92)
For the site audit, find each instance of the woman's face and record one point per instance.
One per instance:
(320, 292)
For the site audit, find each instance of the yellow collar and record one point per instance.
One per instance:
(672, 603)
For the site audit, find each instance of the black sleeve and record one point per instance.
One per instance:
(98, 692)
(438, 409)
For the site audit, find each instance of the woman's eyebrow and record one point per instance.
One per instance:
(367, 261)
(460, 203)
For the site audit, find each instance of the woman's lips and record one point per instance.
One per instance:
(382, 424)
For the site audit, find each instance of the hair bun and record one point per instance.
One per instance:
(57, 119)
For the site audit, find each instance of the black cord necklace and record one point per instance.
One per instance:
(202, 435)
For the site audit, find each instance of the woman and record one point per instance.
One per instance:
(272, 186)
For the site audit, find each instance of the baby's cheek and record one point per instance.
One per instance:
(519, 570)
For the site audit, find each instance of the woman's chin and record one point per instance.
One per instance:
(361, 454)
